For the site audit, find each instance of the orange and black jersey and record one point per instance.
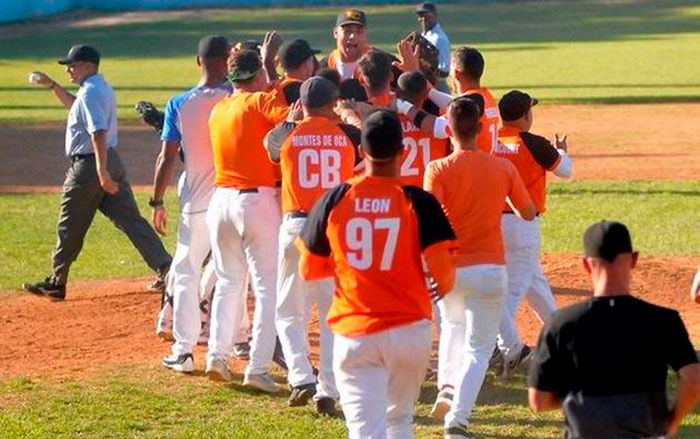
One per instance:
(369, 233)
(532, 156)
(419, 149)
(315, 155)
(287, 91)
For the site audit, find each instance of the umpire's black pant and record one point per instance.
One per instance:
(82, 196)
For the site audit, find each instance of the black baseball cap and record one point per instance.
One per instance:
(81, 52)
(515, 104)
(606, 240)
(426, 7)
(293, 53)
(213, 46)
(352, 16)
(316, 92)
(351, 88)
(382, 135)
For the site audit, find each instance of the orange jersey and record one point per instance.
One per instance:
(237, 126)
(420, 148)
(472, 187)
(488, 137)
(373, 231)
(532, 156)
(316, 156)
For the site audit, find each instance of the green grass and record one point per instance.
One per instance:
(584, 51)
(659, 214)
(145, 402)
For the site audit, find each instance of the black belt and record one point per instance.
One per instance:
(295, 214)
(75, 157)
(510, 212)
(250, 190)
(278, 183)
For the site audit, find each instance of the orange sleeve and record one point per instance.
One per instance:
(313, 267)
(441, 265)
(518, 194)
(431, 183)
(274, 110)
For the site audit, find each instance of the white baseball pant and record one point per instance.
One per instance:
(295, 298)
(471, 315)
(379, 377)
(244, 227)
(522, 241)
(185, 271)
(206, 291)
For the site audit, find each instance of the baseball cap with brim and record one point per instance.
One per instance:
(352, 16)
(213, 46)
(317, 92)
(382, 136)
(426, 7)
(81, 52)
(515, 104)
(293, 53)
(606, 240)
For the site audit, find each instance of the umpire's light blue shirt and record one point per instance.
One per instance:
(438, 37)
(94, 109)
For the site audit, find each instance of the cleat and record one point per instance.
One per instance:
(261, 381)
(48, 288)
(302, 394)
(179, 363)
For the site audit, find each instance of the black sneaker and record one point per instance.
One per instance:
(497, 362)
(458, 431)
(179, 363)
(241, 351)
(48, 288)
(326, 407)
(522, 358)
(158, 285)
(302, 394)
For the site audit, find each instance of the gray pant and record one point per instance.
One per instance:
(82, 197)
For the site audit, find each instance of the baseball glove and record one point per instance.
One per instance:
(427, 56)
(151, 115)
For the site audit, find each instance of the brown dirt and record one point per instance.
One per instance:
(607, 142)
(110, 323)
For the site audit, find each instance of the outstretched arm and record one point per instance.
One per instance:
(61, 93)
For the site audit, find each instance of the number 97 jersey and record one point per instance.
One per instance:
(420, 148)
(369, 233)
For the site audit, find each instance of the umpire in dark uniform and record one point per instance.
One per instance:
(96, 179)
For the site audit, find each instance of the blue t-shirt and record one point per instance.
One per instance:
(94, 109)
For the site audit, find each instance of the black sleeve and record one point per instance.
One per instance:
(433, 225)
(544, 153)
(431, 108)
(292, 92)
(313, 234)
(546, 366)
(355, 137)
(680, 350)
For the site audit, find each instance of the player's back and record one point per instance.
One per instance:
(488, 136)
(372, 232)
(316, 156)
(420, 148)
(238, 124)
(473, 187)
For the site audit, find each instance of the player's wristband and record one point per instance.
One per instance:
(403, 106)
(155, 203)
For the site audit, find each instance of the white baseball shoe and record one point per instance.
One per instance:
(217, 370)
(442, 404)
(261, 381)
(179, 363)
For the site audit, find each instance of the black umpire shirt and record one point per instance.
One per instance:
(607, 359)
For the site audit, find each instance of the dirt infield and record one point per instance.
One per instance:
(110, 323)
(607, 142)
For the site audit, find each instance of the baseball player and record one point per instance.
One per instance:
(186, 129)
(533, 156)
(244, 218)
(472, 187)
(376, 75)
(467, 69)
(315, 155)
(369, 233)
(350, 33)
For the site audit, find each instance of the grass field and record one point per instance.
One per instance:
(657, 212)
(584, 51)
